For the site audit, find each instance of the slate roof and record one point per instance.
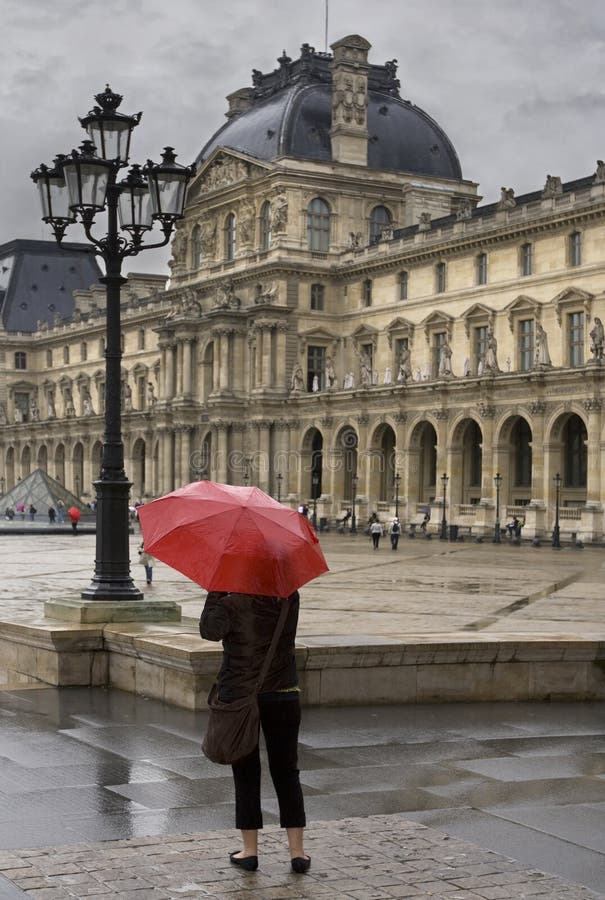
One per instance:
(291, 115)
(37, 281)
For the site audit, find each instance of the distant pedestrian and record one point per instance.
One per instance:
(425, 521)
(146, 560)
(32, 512)
(52, 514)
(395, 531)
(60, 511)
(74, 515)
(21, 509)
(376, 533)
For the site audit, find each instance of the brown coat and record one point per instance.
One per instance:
(245, 624)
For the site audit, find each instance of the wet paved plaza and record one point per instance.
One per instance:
(524, 781)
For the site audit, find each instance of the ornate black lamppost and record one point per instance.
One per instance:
(397, 480)
(278, 478)
(556, 533)
(497, 482)
(315, 485)
(443, 535)
(84, 184)
(353, 500)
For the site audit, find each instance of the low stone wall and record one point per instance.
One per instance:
(172, 664)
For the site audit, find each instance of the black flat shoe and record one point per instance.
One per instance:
(301, 864)
(249, 863)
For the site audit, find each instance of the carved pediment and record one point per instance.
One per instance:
(478, 313)
(572, 296)
(320, 336)
(435, 321)
(224, 168)
(523, 305)
(400, 327)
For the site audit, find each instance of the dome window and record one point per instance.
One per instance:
(318, 225)
(380, 218)
(230, 236)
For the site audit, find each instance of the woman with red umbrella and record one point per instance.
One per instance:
(74, 515)
(252, 554)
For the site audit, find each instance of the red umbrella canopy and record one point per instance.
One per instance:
(229, 538)
(74, 512)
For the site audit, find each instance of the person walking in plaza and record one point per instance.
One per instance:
(146, 560)
(245, 623)
(51, 515)
(394, 532)
(376, 533)
(74, 516)
(60, 511)
(32, 512)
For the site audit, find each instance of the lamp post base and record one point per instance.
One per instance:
(98, 611)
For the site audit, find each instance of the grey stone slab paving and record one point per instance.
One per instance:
(371, 857)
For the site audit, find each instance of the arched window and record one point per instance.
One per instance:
(230, 236)
(380, 218)
(196, 247)
(265, 226)
(574, 452)
(318, 225)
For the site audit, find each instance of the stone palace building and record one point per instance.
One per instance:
(344, 323)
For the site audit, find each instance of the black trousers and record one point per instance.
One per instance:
(280, 722)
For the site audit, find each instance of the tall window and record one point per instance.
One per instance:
(265, 226)
(141, 338)
(480, 345)
(482, 268)
(439, 339)
(380, 218)
(367, 292)
(65, 354)
(141, 387)
(317, 296)
(526, 259)
(575, 249)
(49, 359)
(316, 364)
(440, 278)
(20, 360)
(230, 236)
(196, 247)
(83, 351)
(403, 285)
(521, 441)
(575, 332)
(318, 225)
(101, 346)
(526, 344)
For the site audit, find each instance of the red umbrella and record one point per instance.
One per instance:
(229, 538)
(74, 513)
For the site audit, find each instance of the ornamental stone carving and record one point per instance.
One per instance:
(507, 199)
(537, 407)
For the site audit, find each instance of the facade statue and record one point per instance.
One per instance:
(50, 403)
(355, 239)
(225, 297)
(330, 374)
(490, 362)
(266, 292)
(246, 221)
(597, 339)
(349, 101)
(179, 246)
(466, 371)
(405, 367)
(348, 381)
(151, 397)
(552, 186)
(464, 211)
(315, 384)
(18, 416)
(365, 369)
(507, 199)
(599, 177)
(34, 412)
(3, 420)
(297, 382)
(126, 396)
(388, 376)
(278, 213)
(208, 237)
(445, 360)
(424, 221)
(70, 409)
(542, 356)
(87, 407)
(508, 363)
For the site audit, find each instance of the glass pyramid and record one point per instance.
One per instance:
(43, 491)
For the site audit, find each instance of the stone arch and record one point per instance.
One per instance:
(381, 472)
(96, 456)
(422, 463)
(466, 455)
(60, 463)
(345, 461)
(567, 450)
(42, 460)
(312, 463)
(77, 460)
(139, 451)
(26, 461)
(515, 443)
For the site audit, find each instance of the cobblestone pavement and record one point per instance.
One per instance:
(365, 859)
(425, 587)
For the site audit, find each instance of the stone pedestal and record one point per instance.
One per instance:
(591, 523)
(96, 612)
(535, 521)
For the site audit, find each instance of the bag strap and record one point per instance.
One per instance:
(279, 627)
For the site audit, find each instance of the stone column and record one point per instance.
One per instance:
(222, 452)
(224, 371)
(267, 356)
(166, 461)
(540, 454)
(264, 455)
(280, 356)
(187, 366)
(170, 381)
(259, 357)
(593, 430)
(178, 442)
(216, 361)
(186, 436)
(179, 368)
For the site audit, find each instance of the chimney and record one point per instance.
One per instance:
(349, 133)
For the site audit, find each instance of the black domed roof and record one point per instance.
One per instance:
(290, 114)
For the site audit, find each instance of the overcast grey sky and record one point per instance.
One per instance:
(518, 85)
